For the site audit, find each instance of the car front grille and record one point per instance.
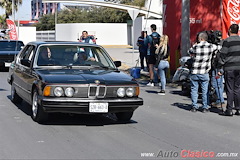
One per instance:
(97, 91)
(7, 58)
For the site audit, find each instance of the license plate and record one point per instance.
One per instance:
(98, 107)
(7, 64)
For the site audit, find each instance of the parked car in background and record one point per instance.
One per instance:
(8, 50)
(71, 77)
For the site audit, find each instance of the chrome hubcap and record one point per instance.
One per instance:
(34, 105)
(12, 92)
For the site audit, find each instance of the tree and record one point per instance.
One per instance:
(7, 5)
(139, 3)
(3, 23)
(92, 15)
(46, 22)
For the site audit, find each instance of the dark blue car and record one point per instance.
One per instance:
(8, 50)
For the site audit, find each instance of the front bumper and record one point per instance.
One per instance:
(76, 105)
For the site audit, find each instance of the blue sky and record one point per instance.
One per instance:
(24, 12)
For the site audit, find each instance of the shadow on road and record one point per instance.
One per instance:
(151, 91)
(182, 106)
(75, 119)
(188, 107)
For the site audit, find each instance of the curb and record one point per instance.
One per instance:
(116, 46)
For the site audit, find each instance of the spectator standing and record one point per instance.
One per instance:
(87, 39)
(201, 54)
(216, 80)
(162, 63)
(153, 39)
(143, 46)
(230, 61)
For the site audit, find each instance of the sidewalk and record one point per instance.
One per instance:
(127, 56)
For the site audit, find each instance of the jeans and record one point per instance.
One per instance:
(217, 83)
(162, 68)
(143, 55)
(203, 80)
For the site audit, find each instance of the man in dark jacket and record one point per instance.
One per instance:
(230, 61)
(143, 46)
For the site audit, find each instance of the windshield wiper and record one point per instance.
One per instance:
(69, 66)
(104, 67)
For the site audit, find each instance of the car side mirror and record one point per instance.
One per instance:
(117, 63)
(25, 62)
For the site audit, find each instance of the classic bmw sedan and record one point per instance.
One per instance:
(71, 77)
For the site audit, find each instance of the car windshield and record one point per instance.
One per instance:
(11, 45)
(69, 56)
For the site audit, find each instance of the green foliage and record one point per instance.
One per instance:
(7, 5)
(3, 23)
(94, 15)
(139, 3)
(47, 22)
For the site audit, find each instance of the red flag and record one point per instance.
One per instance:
(231, 15)
(12, 27)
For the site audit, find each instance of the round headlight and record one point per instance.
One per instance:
(69, 92)
(58, 91)
(121, 92)
(130, 92)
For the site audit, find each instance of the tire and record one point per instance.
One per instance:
(186, 89)
(15, 98)
(124, 116)
(38, 114)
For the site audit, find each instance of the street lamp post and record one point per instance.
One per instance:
(13, 14)
(185, 36)
(56, 11)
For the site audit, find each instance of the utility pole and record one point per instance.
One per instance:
(56, 12)
(185, 25)
(13, 13)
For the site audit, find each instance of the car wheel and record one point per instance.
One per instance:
(186, 89)
(15, 98)
(124, 116)
(38, 114)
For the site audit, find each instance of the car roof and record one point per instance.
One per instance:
(9, 40)
(62, 42)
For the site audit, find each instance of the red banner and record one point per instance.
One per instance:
(12, 30)
(231, 15)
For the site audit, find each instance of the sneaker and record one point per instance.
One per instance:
(227, 113)
(150, 84)
(193, 109)
(218, 105)
(205, 110)
(237, 112)
(162, 92)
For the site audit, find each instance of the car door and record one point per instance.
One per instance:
(24, 77)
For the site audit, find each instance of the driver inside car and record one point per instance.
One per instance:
(45, 57)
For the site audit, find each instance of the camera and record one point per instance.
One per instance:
(214, 37)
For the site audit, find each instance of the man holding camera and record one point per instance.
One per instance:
(230, 61)
(201, 54)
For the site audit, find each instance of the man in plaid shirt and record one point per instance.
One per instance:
(202, 55)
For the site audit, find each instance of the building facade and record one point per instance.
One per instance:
(39, 8)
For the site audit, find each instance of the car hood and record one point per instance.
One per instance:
(76, 76)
